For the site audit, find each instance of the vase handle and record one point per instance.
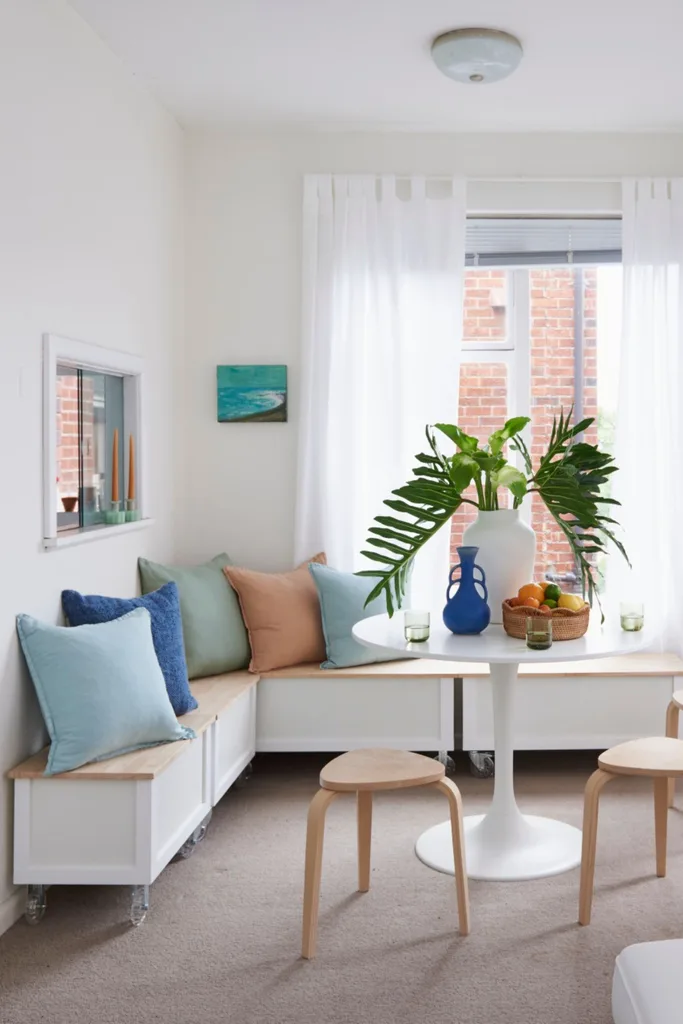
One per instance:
(482, 583)
(452, 581)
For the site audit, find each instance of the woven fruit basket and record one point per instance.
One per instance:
(567, 625)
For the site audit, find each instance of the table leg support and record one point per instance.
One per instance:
(504, 844)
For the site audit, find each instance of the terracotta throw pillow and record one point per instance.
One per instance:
(281, 611)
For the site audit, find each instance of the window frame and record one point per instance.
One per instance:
(62, 351)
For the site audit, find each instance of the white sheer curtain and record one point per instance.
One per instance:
(382, 327)
(649, 431)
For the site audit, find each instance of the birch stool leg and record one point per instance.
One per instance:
(364, 798)
(594, 785)
(672, 713)
(661, 821)
(315, 832)
(452, 794)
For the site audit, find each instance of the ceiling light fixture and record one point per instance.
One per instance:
(476, 55)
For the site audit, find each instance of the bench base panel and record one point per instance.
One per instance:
(332, 714)
(572, 713)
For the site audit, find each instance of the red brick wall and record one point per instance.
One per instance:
(485, 306)
(483, 409)
(67, 436)
(483, 386)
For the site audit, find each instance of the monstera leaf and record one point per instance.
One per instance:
(569, 479)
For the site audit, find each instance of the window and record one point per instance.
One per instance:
(92, 414)
(89, 417)
(540, 333)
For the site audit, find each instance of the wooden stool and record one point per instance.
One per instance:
(362, 772)
(672, 712)
(660, 758)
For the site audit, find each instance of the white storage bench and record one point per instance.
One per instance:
(120, 821)
(588, 705)
(407, 705)
(582, 705)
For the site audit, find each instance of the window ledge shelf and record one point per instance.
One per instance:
(85, 536)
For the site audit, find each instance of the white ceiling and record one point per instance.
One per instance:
(589, 65)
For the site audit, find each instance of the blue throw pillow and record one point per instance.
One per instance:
(167, 631)
(342, 597)
(100, 689)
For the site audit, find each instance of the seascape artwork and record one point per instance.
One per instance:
(252, 394)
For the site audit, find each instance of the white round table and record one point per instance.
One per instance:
(503, 844)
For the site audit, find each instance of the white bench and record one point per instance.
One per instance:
(119, 822)
(409, 705)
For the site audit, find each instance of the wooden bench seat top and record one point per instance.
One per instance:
(214, 694)
(639, 664)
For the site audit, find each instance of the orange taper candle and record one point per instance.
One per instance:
(115, 468)
(131, 469)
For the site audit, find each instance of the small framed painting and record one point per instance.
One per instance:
(251, 394)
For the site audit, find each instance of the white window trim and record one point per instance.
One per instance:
(58, 350)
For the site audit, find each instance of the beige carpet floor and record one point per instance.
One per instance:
(221, 942)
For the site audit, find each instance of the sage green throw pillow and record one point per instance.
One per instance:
(213, 630)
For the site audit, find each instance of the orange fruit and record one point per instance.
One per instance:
(546, 609)
(531, 602)
(514, 601)
(531, 590)
(543, 584)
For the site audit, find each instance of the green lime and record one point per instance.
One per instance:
(549, 603)
(553, 592)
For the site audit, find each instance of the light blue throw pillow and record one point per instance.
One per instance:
(100, 688)
(342, 597)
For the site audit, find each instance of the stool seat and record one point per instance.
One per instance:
(656, 756)
(375, 769)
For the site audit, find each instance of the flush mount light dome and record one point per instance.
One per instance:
(476, 55)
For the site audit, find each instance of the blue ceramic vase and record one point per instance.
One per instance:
(466, 610)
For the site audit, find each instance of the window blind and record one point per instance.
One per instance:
(539, 241)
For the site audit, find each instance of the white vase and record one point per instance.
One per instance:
(507, 551)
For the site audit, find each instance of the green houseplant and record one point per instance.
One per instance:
(568, 478)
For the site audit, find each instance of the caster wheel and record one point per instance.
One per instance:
(199, 833)
(36, 904)
(139, 904)
(482, 764)
(447, 761)
(191, 843)
(187, 849)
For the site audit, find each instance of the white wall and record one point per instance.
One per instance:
(243, 257)
(90, 247)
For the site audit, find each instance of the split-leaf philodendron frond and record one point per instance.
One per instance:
(568, 479)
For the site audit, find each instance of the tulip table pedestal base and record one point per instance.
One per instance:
(505, 845)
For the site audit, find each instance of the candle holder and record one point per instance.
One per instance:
(132, 513)
(114, 515)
